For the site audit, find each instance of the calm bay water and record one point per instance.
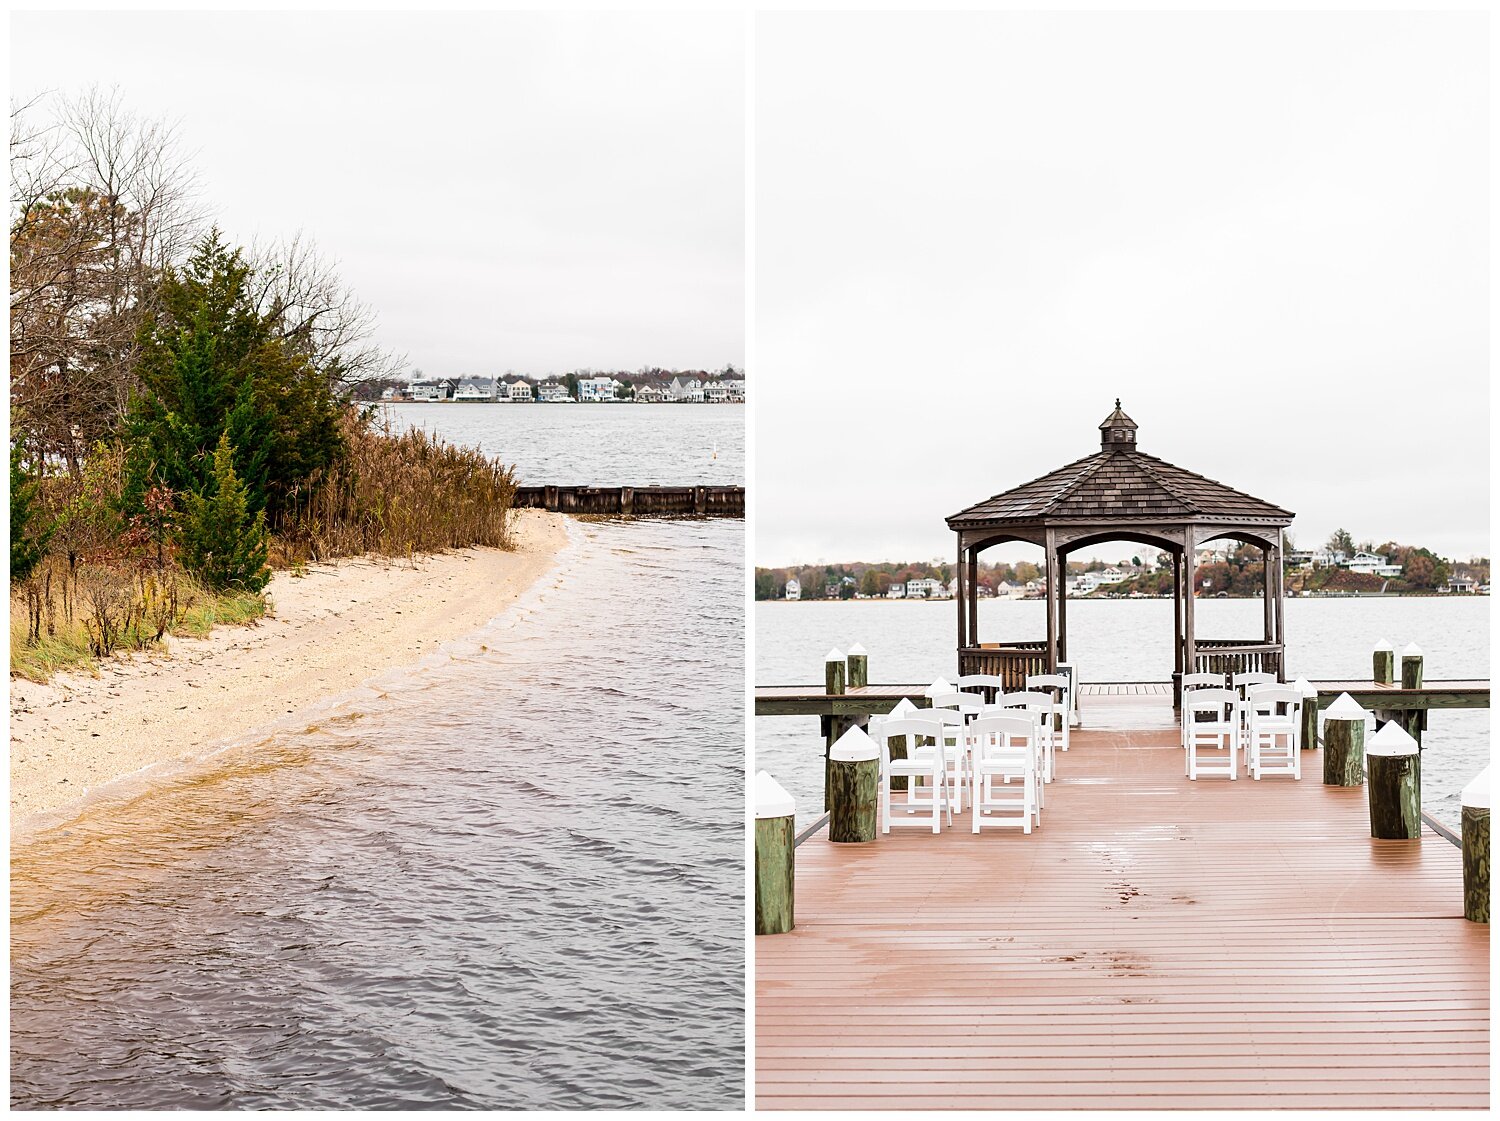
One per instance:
(1124, 640)
(595, 445)
(510, 876)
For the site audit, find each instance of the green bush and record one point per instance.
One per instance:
(28, 538)
(223, 544)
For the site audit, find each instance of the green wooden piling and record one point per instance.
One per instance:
(854, 788)
(1385, 663)
(833, 673)
(1475, 829)
(775, 857)
(1344, 743)
(1411, 667)
(1395, 787)
(859, 667)
(1309, 731)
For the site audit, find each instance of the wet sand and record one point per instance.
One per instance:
(330, 628)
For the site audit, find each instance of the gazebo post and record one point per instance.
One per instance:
(1280, 629)
(973, 585)
(1190, 570)
(1177, 670)
(958, 575)
(1268, 597)
(1062, 609)
(1053, 586)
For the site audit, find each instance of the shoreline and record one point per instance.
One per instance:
(328, 630)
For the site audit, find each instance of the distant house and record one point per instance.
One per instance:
(1328, 558)
(1462, 584)
(552, 391)
(685, 389)
(923, 589)
(391, 393)
(896, 591)
(475, 389)
(432, 390)
(1300, 560)
(650, 394)
(715, 393)
(1372, 563)
(735, 388)
(518, 390)
(597, 389)
(793, 586)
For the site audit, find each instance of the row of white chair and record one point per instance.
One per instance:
(995, 745)
(1256, 715)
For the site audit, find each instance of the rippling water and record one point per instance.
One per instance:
(509, 877)
(1126, 640)
(596, 445)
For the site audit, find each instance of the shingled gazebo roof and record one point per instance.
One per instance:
(1119, 484)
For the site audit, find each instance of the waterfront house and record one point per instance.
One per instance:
(1462, 584)
(518, 390)
(1372, 563)
(896, 591)
(793, 589)
(597, 389)
(685, 389)
(391, 393)
(552, 391)
(715, 393)
(432, 390)
(475, 389)
(1299, 561)
(650, 394)
(735, 388)
(923, 589)
(1328, 558)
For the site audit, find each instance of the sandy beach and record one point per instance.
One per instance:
(330, 628)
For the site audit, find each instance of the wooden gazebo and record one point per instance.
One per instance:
(1119, 493)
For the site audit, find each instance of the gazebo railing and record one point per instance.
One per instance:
(1012, 662)
(1232, 655)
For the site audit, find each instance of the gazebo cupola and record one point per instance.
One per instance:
(1117, 431)
(1119, 493)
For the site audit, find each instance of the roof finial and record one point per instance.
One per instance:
(1117, 402)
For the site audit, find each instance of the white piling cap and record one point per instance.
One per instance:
(771, 798)
(1384, 644)
(834, 655)
(1411, 650)
(1305, 687)
(1477, 794)
(902, 707)
(853, 747)
(939, 688)
(1345, 708)
(1392, 739)
(856, 649)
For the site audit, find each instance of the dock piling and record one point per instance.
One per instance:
(775, 856)
(1413, 720)
(1476, 838)
(1344, 743)
(833, 672)
(859, 667)
(854, 788)
(1309, 693)
(1385, 663)
(1395, 787)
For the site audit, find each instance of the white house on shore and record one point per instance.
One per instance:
(597, 389)
(552, 391)
(650, 394)
(432, 390)
(923, 589)
(475, 389)
(1373, 564)
(518, 390)
(793, 589)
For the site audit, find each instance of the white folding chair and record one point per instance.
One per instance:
(1213, 724)
(1241, 683)
(1042, 709)
(917, 764)
(1275, 743)
(1047, 683)
(1197, 681)
(1004, 747)
(955, 748)
(987, 685)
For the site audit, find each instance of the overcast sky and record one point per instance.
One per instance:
(524, 191)
(1266, 233)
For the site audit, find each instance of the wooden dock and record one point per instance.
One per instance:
(1156, 944)
(813, 700)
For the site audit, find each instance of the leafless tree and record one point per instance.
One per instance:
(300, 288)
(102, 201)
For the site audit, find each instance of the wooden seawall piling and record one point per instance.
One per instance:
(639, 502)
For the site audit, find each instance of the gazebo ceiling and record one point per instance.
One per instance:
(1119, 485)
